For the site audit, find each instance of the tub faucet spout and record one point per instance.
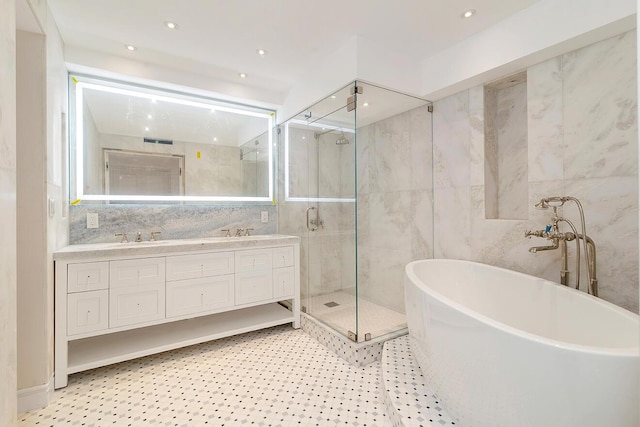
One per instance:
(536, 249)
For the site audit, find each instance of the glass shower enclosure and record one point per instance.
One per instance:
(355, 183)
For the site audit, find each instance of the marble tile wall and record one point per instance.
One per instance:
(8, 404)
(394, 206)
(174, 221)
(395, 222)
(582, 142)
(318, 168)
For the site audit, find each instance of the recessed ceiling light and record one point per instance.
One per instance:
(171, 25)
(468, 13)
(130, 47)
(149, 116)
(146, 128)
(215, 139)
(366, 104)
(242, 75)
(333, 97)
(261, 52)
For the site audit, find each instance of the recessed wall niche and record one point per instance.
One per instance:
(505, 148)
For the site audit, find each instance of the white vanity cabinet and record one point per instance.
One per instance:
(200, 283)
(116, 302)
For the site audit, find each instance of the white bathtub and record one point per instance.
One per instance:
(501, 348)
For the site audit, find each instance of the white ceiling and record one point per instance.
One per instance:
(219, 38)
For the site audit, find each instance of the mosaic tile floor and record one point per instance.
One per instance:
(275, 377)
(409, 400)
(372, 318)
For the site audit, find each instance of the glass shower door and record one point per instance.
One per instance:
(320, 198)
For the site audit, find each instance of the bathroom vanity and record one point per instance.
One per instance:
(119, 301)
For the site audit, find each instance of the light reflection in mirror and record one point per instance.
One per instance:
(238, 138)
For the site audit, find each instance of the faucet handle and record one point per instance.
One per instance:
(247, 231)
(239, 232)
(153, 235)
(124, 237)
(228, 232)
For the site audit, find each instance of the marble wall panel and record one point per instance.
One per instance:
(451, 221)
(600, 109)
(582, 142)
(392, 154)
(451, 152)
(175, 222)
(476, 136)
(420, 131)
(545, 127)
(511, 136)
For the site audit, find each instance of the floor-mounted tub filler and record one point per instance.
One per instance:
(502, 348)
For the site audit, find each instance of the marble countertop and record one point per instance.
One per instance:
(168, 246)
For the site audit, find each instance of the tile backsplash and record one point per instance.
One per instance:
(173, 221)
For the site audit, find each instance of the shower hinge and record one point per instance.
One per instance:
(430, 108)
(352, 336)
(303, 309)
(356, 89)
(367, 336)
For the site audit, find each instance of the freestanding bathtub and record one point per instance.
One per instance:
(501, 348)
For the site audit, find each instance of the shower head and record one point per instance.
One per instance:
(342, 140)
(542, 204)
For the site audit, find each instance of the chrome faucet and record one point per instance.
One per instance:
(559, 240)
(139, 236)
(239, 232)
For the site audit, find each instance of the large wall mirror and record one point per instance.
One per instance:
(132, 144)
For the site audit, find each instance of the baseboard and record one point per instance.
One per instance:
(35, 397)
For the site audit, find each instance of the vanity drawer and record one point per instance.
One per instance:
(135, 272)
(283, 282)
(253, 260)
(136, 304)
(199, 295)
(283, 257)
(87, 276)
(202, 265)
(87, 312)
(253, 287)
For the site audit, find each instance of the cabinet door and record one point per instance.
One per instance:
(201, 265)
(136, 304)
(87, 276)
(87, 312)
(134, 272)
(283, 282)
(283, 257)
(253, 260)
(253, 287)
(199, 295)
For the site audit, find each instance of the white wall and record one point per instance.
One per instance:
(8, 208)
(546, 29)
(31, 221)
(42, 174)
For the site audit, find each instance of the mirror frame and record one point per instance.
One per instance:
(77, 85)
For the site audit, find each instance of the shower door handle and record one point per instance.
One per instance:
(309, 221)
